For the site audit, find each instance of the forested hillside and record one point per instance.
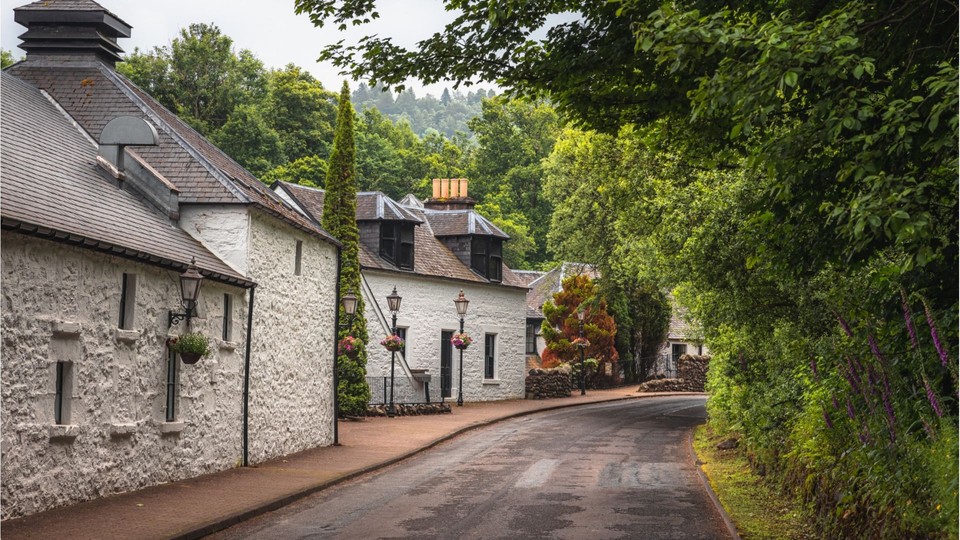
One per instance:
(449, 114)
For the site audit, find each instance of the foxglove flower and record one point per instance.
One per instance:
(844, 325)
(932, 398)
(941, 349)
(908, 318)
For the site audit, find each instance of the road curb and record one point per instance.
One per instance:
(222, 523)
(727, 520)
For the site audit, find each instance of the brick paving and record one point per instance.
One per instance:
(199, 506)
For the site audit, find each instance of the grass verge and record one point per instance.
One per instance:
(759, 510)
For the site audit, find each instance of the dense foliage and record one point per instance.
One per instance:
(790, 168)
(448, 114)
(562, 326)
(340, 219)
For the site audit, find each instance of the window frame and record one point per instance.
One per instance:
(128, 301)
(298, 259)
(227, 333)
(63, 392)
(489, 356)
(397, 245)
(486, 257)
(172, 386)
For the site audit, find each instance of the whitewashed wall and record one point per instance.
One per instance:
(61, 303)
(291, 366)
(427, 309)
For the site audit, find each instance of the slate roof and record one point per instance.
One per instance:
(51, 187)
(431, 257)
(376, 206)
(461, 223)
(64, 5)
(544, 287)
(93, 94)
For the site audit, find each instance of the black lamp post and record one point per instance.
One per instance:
(461, 302)
(393, 304)
(583, 380)
(190, 282)
(349, 303)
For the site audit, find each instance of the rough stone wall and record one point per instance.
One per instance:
(548, 383)
(692, 376)
(61, 303)
(427, 309)
(291, 365)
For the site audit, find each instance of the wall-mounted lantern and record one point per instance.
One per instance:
(190, 282)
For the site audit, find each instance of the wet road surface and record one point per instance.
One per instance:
(605, 471)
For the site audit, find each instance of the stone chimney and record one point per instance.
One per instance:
(449, 194)
(70, 31)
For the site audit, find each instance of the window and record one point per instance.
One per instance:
(227, 317)
(128, 301)
(489, 356)
(396, 243)
(63, 392)
(486, 257)
(298, 258)
(172, 376)
(532, 337)
(402, 332)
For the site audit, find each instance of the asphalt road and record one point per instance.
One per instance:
(614, 470)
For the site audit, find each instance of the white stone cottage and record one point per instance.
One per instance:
(429, 251)
(683, 337)
(94, 238)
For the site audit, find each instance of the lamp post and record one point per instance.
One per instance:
(393, 304)
(583, 380)
(461, 302)
(190, 282)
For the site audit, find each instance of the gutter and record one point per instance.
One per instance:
(336, 355)
(246, 380)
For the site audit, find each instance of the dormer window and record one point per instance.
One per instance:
(396, 243)
(486, 257)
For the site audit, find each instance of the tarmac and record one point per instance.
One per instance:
(203, 505)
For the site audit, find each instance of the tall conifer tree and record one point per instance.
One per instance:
(340, 219)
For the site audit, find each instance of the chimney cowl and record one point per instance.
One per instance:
(449, 194)
(71, 30)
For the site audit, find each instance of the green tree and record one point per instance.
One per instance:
(247, 138)
(308, 171)
(340, 219)
(6, 59)
(302, 112)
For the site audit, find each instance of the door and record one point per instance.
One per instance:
(446, 364)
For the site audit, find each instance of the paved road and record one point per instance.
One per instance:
(617, 470)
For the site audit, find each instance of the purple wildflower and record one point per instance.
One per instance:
(813, 368)
(836, 403)
(850, 412)
(864, 435)
(844, 325)
(826, 418)
(876, 349)
(908, 318)
(874, 380)
(941, 349)
(932, 398)
(852, 376)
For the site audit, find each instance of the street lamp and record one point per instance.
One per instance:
(349, 302)
(583, 381)
(461, 302)
(190, 282)
(393, 304)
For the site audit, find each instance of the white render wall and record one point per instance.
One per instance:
(291, 365)
(61, 303)
(427, 309)
(223, 229)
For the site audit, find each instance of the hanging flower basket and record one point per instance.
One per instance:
(392, 343)
(350, 347)
(191, 347)
(581, 342)
(461, 341)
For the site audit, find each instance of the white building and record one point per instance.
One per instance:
(430, 251)
(94, 239)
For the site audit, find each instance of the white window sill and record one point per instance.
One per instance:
(63, 432)
(126, 336)
(491, 381)
(122, 430)
(172, 428)
(66, 329)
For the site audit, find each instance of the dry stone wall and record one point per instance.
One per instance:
(692, 376)
(548, 383)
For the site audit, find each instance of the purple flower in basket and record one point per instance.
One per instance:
(461, 341)
(392, 343)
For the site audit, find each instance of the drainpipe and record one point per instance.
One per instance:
(246, 380)
(336, 357)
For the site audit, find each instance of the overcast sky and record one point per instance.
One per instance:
(269, 29)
